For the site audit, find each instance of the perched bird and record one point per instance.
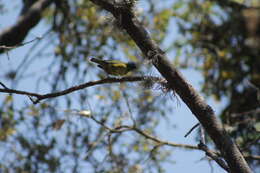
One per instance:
(115, 67)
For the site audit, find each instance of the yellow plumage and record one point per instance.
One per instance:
(114, 67)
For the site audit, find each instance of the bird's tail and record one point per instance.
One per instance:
(98, 61)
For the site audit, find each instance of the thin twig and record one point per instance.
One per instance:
(123, 128)
(20, 44)
(162, 142)
(195, 126)
(3, 85)
(40, 97)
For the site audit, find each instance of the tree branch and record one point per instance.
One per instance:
(20, 44)
(178, 83)
(14, 35)
(123, 128)
(213, 156)
(40, 97)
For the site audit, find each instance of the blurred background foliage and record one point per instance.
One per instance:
(221, 39)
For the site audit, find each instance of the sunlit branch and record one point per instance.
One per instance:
(215, 155)
(124, 128)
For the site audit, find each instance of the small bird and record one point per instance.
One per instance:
(115, 67)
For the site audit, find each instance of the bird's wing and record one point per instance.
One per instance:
(119, 65)
(107, 62)
(114, 62)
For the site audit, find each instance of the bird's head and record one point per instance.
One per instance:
(131, 66)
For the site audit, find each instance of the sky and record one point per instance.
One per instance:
(185, 160)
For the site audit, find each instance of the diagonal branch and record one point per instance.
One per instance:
(178, 83)
(15, 34)
(214, 156)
